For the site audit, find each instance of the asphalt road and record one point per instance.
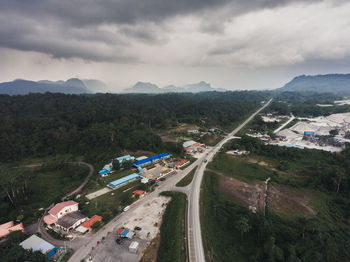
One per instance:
(195, 244)
(192, 191)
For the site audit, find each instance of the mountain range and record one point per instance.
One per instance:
(333, 83)
(149, 88)
(22, 87)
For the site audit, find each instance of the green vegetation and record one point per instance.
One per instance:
(173, 230)
(110, 204)
(187, 179)
(101, 126)
(24, 190)
(11, 251)
(233, 233)
(304, 104)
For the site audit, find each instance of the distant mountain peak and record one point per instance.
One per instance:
(332, 83)
(146, 87)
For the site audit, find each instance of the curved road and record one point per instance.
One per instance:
(41, 227)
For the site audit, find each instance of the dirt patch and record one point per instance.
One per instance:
(150, 253)
(246, 194)
(279, 198)
(185, 127)
(148, 217)
(289, 200)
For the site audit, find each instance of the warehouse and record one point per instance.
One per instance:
(151, 159)
(123, 180)
(36, 243)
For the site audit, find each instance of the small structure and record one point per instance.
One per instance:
(139, 193)
(121, 159)
(71, 221)
(123, 180)
(192, 147)
(37, 244)
(140, 158)
(144, 180)
(87, 226)
(309, 133)
(134, 246)
(193, 131)
(181, 163)
(60, 210)
(106, 170)
(7, 228)
(151, 159)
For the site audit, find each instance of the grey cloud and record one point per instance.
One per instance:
(56, 26)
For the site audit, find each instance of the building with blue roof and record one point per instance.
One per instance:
(121, 159)
(123, 180)
(151, 159)
(309, 133)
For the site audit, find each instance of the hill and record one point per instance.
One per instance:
(149, 88)
(334, 83)
(23, 87)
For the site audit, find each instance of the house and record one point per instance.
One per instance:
(181, 163)
(139, 193)
(165, 172)
(87, 226)
(60, 210)
(7, 228)
(71, 221)
(123, 180)
(106, 170)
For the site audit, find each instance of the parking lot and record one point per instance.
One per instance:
(109, 250)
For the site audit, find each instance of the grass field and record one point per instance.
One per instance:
(173, 247)
(110, 204)
(43, 186)
(187, 179)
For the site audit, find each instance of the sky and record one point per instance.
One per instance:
(238, 44)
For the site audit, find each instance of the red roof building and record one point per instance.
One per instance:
(7, 228)
(88, 224)
(139, 193)
(63, 208)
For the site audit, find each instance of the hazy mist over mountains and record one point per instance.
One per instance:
(334, 83)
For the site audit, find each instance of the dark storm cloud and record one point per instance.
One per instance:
(71, 28)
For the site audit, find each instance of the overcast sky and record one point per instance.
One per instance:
(238, 44)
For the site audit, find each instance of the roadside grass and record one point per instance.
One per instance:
(292, 123)
(109, 204)
(187, 179)
(232, 233)
(173, 246)
(46, 185)
(244, 171)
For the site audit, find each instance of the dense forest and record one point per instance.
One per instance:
(305, 104)
(90, 125)
(235, 233)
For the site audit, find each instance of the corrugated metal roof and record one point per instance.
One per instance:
(150, 159)
(123, 180)
(36, 243)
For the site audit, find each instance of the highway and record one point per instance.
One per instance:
(192, 191)
(195, 244)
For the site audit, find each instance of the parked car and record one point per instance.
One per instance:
(138, 228)
(162, 179)
(126, 208)
(119, 241)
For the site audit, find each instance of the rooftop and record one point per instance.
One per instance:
(58, 207)
(70, 219)
(91, 221)
(123, 180)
